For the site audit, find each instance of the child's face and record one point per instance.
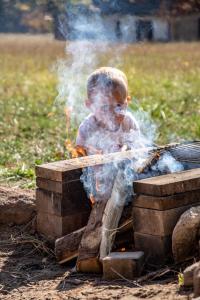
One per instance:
(109, 107)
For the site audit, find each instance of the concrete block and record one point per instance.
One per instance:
(157, 249)
(127, 264)
(157, 222)
(169, 184)
(62, 204)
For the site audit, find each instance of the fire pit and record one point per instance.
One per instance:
(64, 210)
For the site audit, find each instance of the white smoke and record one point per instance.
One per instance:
(83, 58)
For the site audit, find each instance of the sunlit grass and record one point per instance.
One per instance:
(164, 80)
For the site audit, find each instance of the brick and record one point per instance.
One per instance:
(157, 249)
(157, 222)
(62, 204)
(61, 187)
(169, 184)
(53, 226)
(127, 264)
(167, 202)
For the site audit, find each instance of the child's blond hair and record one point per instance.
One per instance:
(107, 79)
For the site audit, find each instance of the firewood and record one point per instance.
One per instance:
(88, 258)
(112, 214)
(100, 231)
(66, 247)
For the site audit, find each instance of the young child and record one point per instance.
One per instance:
(109, 127)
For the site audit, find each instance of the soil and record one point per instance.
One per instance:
(28, 269)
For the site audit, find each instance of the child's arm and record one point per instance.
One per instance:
(83, 147)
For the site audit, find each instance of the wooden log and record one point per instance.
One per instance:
(169, 184)
(99, 234)
(112, 214)
(66, 247)
(88, 258)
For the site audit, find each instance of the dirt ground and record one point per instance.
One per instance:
(29, 269)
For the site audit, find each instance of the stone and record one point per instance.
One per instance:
(196, 282)
(188, 274)
(118, 265)
(185, 233)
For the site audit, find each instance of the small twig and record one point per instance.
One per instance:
(124, 278)
(153, 275)
(39, 245)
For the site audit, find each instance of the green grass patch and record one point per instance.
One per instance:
(164, 80)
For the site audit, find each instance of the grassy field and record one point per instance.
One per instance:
(164, 80)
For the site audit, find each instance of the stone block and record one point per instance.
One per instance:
(157, 249)
(127, 264)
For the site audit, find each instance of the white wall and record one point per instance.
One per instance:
(160, 30)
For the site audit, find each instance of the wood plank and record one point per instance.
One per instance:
(157, 222)
(71, 169)
(169, 184)
(53, 226)
(166, 202)
(62, 204)
(61, 187)
(157, 249)
(66, 248)
(112, 214)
